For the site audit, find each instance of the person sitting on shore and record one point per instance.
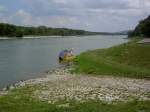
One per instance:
(63, 54)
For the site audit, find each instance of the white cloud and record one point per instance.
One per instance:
(21, 17)
(60, 1)
(95, 15)
(2, 8)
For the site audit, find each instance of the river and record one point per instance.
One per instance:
(22, 59)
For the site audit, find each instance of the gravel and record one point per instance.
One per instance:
(59, 84)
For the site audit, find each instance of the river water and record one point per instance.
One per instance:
(22, 59)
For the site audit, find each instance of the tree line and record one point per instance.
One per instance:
(142, 29)
(13, 31)
(9, 30)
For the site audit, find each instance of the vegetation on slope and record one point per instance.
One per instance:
(19, 31)
(128, 60)
(142, 29)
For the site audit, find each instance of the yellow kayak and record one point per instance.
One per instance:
(68, 58)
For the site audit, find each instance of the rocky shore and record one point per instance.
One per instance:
(60, 84)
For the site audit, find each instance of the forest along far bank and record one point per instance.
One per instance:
(13, 31)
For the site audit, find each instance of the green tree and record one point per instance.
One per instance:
(142, 29)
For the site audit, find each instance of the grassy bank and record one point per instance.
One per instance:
(128, 60)
(20, 100)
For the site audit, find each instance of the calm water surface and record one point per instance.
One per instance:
(22, 59)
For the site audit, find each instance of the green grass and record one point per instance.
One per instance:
(127, 60)
(20, 100)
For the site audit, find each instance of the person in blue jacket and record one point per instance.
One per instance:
(62, 54)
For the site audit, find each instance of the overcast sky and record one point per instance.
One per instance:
(92, 15)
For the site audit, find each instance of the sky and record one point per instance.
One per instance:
(91, 15)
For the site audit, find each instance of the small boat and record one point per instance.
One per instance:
(66, 55)
(69, 58)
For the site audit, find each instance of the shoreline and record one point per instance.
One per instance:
(59, 83)
(27, 37)
(38, 37)
(42, 76)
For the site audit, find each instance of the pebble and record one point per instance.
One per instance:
(60, 84)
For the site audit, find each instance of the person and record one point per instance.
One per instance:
(70, 52)
(62, 54)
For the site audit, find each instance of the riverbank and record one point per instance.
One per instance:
(34, 56)
(126, 60)
(51, 36)
(29, 37)
(62, 89)
(78, 87)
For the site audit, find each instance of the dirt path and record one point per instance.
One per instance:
(59, 84)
